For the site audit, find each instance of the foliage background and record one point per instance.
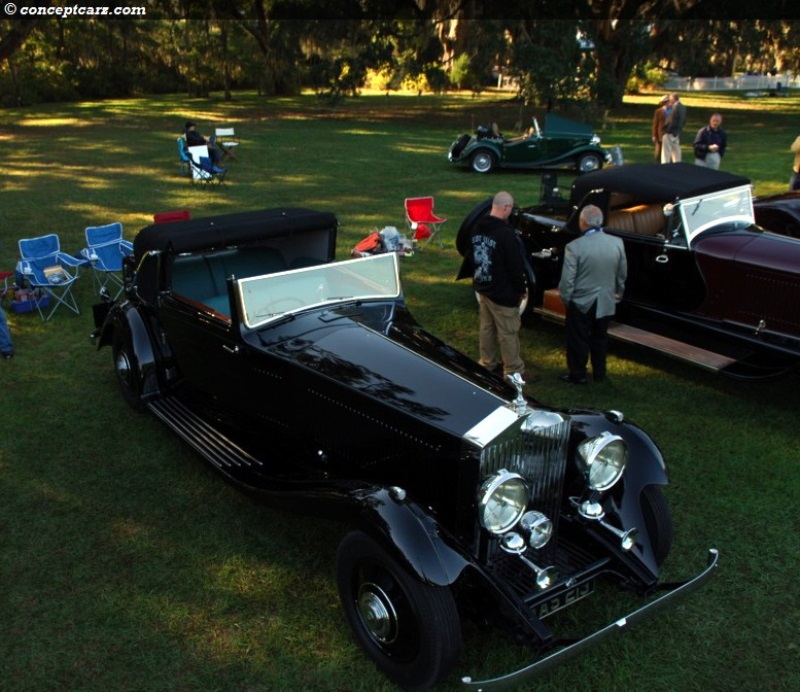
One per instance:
(552, 50)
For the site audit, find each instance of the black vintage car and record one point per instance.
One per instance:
(706, 283)
(307, 383)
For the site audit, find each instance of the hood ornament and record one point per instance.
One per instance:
(520, 405)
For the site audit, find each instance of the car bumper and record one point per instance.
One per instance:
(515, 678)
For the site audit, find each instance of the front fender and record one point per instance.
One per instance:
(413, 537)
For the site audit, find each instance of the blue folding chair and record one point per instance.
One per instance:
(43, 266)
(104, 251)
(204, 172)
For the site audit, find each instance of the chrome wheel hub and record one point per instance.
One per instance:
(377, 613)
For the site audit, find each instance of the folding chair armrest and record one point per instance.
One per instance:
(126, 246)
(70, 260)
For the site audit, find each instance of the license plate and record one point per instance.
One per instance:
(564, 599)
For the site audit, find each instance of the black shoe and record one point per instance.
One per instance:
(8, 356)
(569, 379)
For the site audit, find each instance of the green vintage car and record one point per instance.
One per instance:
(562, 144)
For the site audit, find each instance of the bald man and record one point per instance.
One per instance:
(495, 261)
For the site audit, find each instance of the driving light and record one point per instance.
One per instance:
(603, 460)
(501, 501)
(538, 527)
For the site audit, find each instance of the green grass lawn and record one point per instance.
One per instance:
(126, 565)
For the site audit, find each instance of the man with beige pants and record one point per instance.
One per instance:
(495, 261)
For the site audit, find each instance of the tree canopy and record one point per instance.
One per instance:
(553, 51)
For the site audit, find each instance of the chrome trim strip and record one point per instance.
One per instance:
(490, 427)
(513, 679)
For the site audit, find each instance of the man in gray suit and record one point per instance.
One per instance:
(674, 120)
(592, 281)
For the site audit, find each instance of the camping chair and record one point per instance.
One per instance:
(422, 221)
(204, 172)
(46, 268)
(104, 251)
(225, 138)
(4, 277)
(171, 216)
(183, 157)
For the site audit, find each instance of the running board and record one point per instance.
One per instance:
(202, 436)
(679, 350)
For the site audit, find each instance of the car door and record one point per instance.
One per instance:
(661, 273)
(522, 152)
(207, 348)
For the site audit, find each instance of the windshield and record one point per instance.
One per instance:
(701, 213)
(265, 298)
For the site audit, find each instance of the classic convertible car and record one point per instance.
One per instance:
(706, 283)
(562, 144)
(306, 383)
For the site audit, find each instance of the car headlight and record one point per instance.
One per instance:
(538, 527)
(603, 460)
(595, 139)
(502, 500)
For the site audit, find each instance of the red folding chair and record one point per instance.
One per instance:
(422, 221)
(170, 216)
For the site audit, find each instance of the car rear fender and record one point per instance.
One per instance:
(126, 323)
(413, 537)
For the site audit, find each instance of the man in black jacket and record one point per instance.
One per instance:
(495, 261)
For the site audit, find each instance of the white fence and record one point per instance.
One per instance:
(745, 82)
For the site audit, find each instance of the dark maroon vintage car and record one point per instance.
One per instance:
(706, 283)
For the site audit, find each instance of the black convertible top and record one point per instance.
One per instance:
(655, 182)
(216, 232)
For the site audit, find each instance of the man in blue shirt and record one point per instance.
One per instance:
(710, 143)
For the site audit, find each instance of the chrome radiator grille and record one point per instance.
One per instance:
(539, 455)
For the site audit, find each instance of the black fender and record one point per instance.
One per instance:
(465, 230)
(412, 536)
(125, 322)
(646, 466)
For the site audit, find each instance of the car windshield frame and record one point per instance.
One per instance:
(264, 299)
(700, 213)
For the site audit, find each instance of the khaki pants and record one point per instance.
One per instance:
(671, 149)
(499, 326)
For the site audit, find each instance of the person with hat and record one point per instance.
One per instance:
(659, 117)
(195, 139)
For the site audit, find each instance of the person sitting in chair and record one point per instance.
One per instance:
(195, 139)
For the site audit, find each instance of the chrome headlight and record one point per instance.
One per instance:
(502, 501)
(595, 139)
(603, 460)
(538, 527)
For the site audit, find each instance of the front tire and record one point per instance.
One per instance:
(657, 521)
(483, 161)
(588, 163)
(410, 629)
